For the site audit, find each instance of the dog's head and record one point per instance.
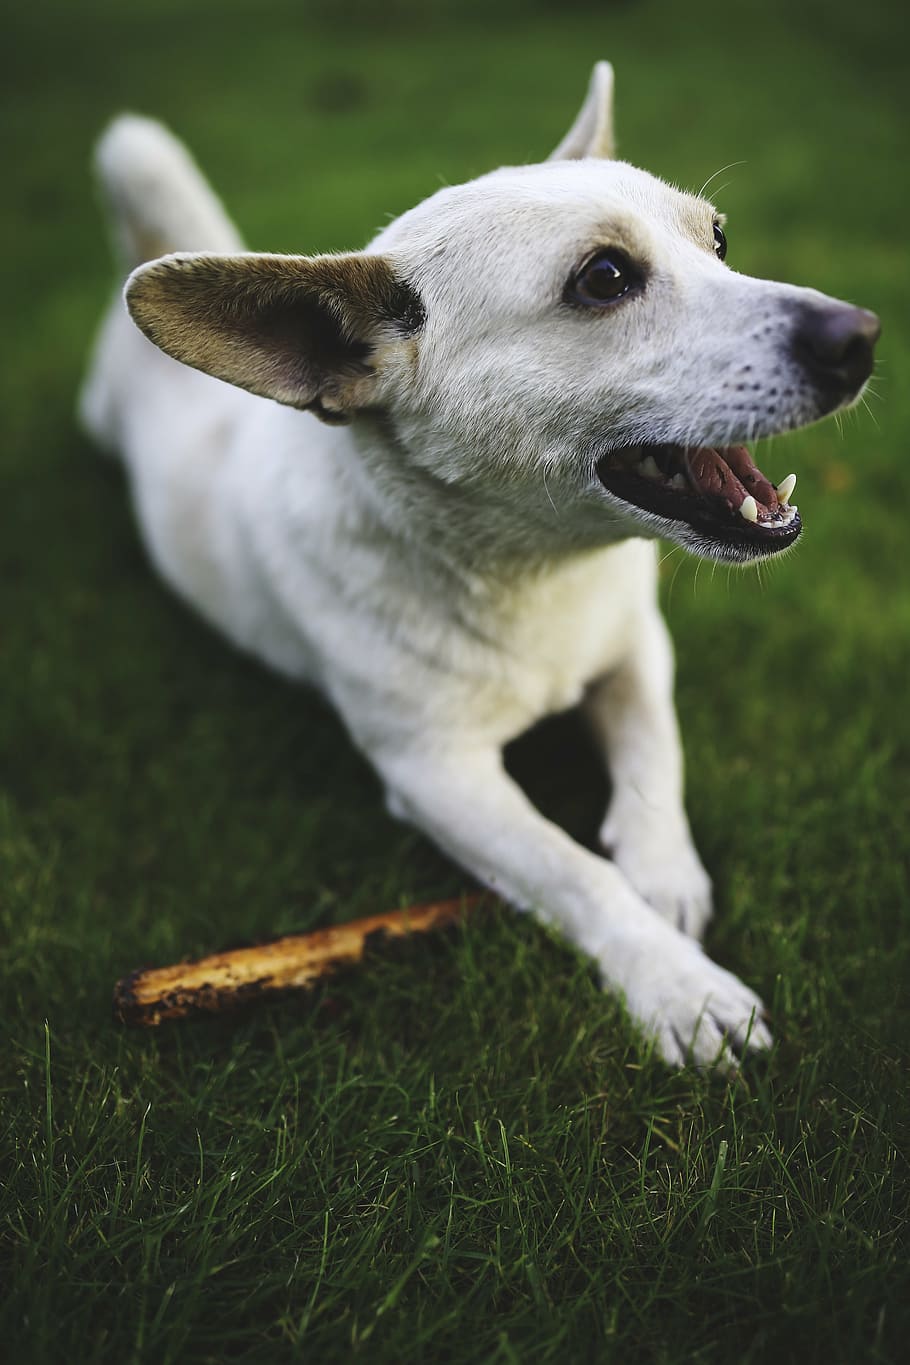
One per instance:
(563, 341)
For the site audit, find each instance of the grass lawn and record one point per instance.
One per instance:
(462, 1152)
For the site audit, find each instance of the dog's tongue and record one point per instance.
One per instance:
(730, 473)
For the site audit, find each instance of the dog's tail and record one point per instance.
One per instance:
(157, 202)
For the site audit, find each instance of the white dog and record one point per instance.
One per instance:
(521, 383)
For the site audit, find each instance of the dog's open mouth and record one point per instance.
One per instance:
(719, 491)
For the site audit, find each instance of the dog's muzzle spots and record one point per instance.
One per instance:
(718, 491)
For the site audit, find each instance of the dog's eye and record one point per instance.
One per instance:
(720, 242)
(602, 279)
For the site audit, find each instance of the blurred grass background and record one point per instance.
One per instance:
(462, 1153)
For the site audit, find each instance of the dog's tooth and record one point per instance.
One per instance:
(749, 508)
(785, 489)
(649, 468)
(679, 482)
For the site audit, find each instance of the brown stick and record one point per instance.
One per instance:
(224, 981)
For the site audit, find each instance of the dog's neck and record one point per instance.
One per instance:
(474, 533)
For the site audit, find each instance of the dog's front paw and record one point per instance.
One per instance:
(668, 874)
(695, 1011)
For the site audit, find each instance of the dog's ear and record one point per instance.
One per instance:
(592, 132)
(303, 330)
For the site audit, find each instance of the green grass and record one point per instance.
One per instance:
(461, 1152)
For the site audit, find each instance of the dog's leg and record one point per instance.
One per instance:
(646, 831)
(461, 796)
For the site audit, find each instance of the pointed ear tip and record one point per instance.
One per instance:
(152, 288)
(135, 285)
(161, 273)
(144, 275)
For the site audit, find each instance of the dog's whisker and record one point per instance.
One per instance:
(729, 167)
(547, 490)
(679, 565)
(720, 189)
(698, 564)
(761, 574)
(868, 409)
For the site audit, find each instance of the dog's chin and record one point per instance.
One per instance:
(713, 500)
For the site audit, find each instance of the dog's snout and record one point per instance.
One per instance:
(836, 344)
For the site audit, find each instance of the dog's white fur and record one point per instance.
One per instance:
(447, 567)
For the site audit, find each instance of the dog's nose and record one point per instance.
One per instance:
(836, 344)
